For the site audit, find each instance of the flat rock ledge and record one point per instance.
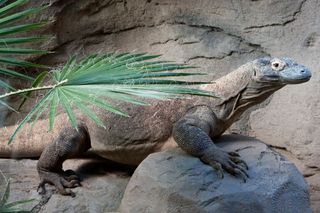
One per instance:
(171, 181)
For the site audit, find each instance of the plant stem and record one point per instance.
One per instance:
(32, 89)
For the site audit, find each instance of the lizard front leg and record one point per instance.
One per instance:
(192, 132)
(69, 144)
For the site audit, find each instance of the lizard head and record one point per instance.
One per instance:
(280, 71)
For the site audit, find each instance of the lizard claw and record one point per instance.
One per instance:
(243, 174)
(62, 181)
(237, 160)
(228, 161)
(217, 166)
(70, 175)
(239, 170)
(234, 154)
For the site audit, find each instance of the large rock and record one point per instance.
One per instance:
(103, 184)
(23, 179)
(175, 182)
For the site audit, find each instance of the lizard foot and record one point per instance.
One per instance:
(62, 181)
(229, 161)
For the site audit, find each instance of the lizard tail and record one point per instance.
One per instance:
(28, 143)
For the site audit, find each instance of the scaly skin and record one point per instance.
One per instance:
(191, 124)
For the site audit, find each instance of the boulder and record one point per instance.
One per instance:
(172, 181)
(103, 184)
(23, 179)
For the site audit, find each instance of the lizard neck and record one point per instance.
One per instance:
(238, 92)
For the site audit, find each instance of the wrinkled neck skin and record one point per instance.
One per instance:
(238, 92)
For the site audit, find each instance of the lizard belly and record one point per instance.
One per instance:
(133, 154)
(130, 140)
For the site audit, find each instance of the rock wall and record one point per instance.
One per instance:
(218, 36)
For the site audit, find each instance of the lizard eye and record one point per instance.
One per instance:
(277, 65)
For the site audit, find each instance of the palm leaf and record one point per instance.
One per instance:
(40, 111)
(53, 109)
(4, 10)
(6, 105)
(91, 114)
(5, 206)
(8, 41)
(40, 78)
(5, 195)
(13, 73)
(68, 107)
(8, 15)
(16, 203)
(19, 15)
(31, 114)
(5, 85)
(20, 28)
(21, 51)
(21, 63)
(123, 77)
(85, 110)
(93, 99)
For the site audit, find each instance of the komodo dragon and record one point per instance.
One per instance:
(192, 124)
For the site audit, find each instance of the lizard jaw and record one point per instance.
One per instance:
(295, 75)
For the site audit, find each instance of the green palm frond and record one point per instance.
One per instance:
(10, 207)
(8, 39)
(98, 78)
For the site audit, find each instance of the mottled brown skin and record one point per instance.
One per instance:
(192, 124)
(50, 163)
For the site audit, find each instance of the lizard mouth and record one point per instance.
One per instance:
(296, 76)
(285, 80)
(296, 80)
(270, 78)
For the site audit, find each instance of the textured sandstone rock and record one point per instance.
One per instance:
(102, 188)
(23, 180)
(175, 182)
(314, 191)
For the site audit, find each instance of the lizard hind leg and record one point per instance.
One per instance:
(70, 143)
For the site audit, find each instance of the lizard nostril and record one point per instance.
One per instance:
(302, 71)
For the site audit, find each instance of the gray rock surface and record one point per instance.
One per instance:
(216, 35)
(23, 180)
(103, 184)
(175, 182)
